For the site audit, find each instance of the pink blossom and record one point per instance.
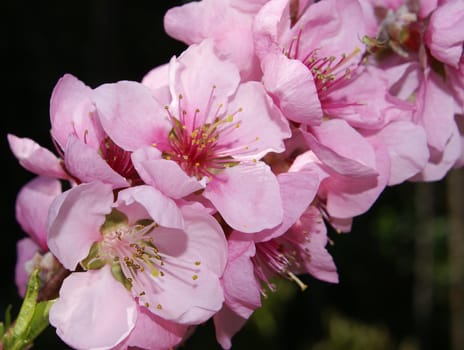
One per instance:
(445, 32)
(31, 209)
(304, 61)
(349, 187)
(88, 153)
(297, 246)
(241, 292)
(219, 130)
(414, 78)
(318, 75)
(227, 23)
(148, 252)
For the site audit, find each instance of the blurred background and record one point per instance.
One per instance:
(401, 268)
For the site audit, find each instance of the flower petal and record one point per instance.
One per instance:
(26, 248)
(130, 114)
(153, 332)
(342, 148)
(227, 324)
(203, 80)
(74, 221)
(36, 158)
(190, 291)
(260, 126)
(168, 177)
(139, 201)
(86, 318)
(83, 162)
(32, 217)
(247, 196)
(71, 112)
(292, 86)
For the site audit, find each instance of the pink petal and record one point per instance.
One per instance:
(207, 238)
(157, 79)
(187, 22)
(168, 177)
(71, 112)
(351, 196)
(139, 201)
(403, 78)
(455, 79)
(445, 33)
(426, 7)
(292, 86)
(130, 115)
(154, 333)
(247, 196)
(364, 101)
(74, 221)
(261, 126)
(342, 148)
(435, 110)
(84, 163)
(26, 248)
(331, 27)
(219, 20)
(297, 189)
(32, 205)
(241, 289)
(35, 158)
(203, 80)
(441, 162)
(86, 318)
(320, 264)
(268, 24)
(248, 6)
(407, 146)
(227, 324)
(191, 292)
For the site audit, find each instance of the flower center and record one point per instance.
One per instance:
(120, 161)
(328, 72)
(196, 144)
(135, 260)
(274, 257)
(400, 31)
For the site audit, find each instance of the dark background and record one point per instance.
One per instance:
(393, 266)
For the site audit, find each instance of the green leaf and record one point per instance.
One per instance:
(27, 308)
(39, 320)
(31, 320)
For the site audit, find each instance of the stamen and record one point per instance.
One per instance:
(297, 281)
(196, 148)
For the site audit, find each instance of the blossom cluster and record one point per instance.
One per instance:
(183, 197)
